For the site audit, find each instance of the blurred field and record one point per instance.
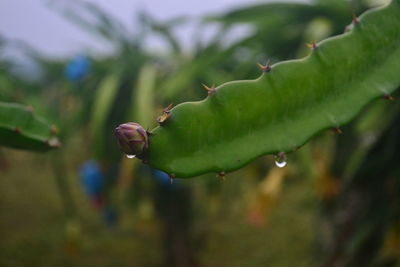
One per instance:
(34, 232)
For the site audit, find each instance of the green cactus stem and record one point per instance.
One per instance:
(21, 128)
(290, 103)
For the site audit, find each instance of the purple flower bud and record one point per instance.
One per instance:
(132, 138)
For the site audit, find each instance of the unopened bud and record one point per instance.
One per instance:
(132, 138)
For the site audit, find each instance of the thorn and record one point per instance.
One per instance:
(172, 176)
(337, 130)
(17, 130)
(355, 19)
(388, 97)
(165, 116)
(211, 90)
(168, 109)
(266, 67)
(312, 46)
(221, 175)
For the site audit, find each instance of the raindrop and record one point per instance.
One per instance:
(280, 164)
(281, 160)
(130, 156)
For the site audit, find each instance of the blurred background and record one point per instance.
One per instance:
(87, 66)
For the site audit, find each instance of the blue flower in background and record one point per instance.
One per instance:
(78, 68)
(92, 178)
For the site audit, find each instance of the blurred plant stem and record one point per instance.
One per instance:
(61, 179)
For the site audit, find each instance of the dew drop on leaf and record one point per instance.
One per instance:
(281, 160)
(280, 164)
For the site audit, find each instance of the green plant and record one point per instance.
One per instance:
(280, 111)
(21, 128)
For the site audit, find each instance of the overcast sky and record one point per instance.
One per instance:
(39, 24)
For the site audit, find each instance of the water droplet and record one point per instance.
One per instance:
(130, 156)
(280, 164)
(281, 160)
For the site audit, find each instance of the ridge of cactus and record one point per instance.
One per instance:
(286, 106)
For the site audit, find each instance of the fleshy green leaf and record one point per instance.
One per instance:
(21, 128)
(280, 111)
